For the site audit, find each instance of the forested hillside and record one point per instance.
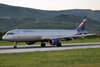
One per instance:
(14, 11)
(58, 22)
(12, 17)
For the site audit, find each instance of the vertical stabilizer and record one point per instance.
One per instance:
(81, 26)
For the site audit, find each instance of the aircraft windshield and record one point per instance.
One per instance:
(10, 33)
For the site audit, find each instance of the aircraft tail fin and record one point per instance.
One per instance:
(81, 26)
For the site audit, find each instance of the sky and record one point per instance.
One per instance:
(55, 4)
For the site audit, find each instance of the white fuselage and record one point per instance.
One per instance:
(28, 35)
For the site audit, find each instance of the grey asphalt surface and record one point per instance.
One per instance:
(32, 48)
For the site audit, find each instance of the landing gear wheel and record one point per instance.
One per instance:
(59, 45)
(15, 46)
(43, 45)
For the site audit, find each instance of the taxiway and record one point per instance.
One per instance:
(32, 48)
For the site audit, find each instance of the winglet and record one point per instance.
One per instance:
(81, 26)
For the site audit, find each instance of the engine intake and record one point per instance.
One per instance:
(54, 41)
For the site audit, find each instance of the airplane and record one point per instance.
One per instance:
(53, 37)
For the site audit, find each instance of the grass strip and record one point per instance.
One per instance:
(64, 58)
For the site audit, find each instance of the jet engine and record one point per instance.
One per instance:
(54, 42)
(29, 43)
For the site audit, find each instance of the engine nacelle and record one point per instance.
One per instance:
(54, 41)
(29, 43)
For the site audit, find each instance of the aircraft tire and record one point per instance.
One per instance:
(43, 45)
(59, 45)
(15, 46)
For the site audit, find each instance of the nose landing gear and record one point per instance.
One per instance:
(15, 44)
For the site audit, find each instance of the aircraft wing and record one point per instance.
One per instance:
(66, 36)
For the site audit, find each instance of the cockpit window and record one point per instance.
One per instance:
(10, 33)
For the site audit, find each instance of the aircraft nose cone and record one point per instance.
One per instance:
(5, 38)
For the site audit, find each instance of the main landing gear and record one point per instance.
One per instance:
(59, 45)
(15, 44)
(42, 44)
